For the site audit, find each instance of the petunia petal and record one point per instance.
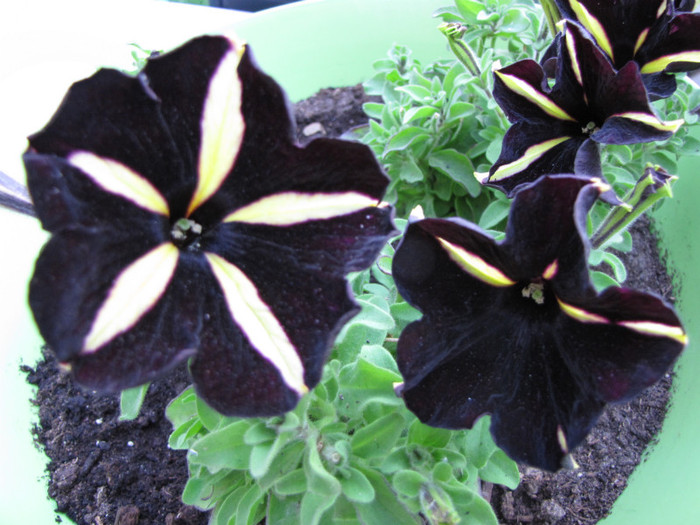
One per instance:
(115, 177)
(222, 128)
(286, 209)
(72, 281)
(301, 309)
(164, 336)
(257, 322)
(116, 117)
(676, 49)
(132, 294)
(532, 149)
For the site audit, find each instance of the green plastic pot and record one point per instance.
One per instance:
(326, 43)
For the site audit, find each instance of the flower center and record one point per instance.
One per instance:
(186, 234)
(534, 291)
(590, 128)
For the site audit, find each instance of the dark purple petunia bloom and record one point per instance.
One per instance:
(186, 223)
(659, 35)
(516, 330)
(557, 130)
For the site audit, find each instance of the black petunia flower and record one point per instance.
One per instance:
(557, 130)
(657, 34)
(515, 328)
(186, 223)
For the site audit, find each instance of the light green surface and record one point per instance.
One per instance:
(666, 488)
(333, 43)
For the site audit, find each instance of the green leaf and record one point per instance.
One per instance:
(378, 438)
(618, 267)
(247, 512)
(410, 171)
(601, 280)
(494, 213)
(478, 443)
(457, 167)
(403, 313)
(478, 512)
(418, 93)
(182, 436)
(356, 487)
(459, 110)
(425, 435)
(293, 482)
(130, 402)
(501, 469)
(210, 418)
(223, 449)
(419, 113)
(205, 490)
(379, 356)
(373, 109)
(183, 408)
(318, 478)
(258, 432)
(405, 138)
(282, 511)
(514, 22)
(225, 511)
(263, 454)
(469, 9)
(286, 461)
(386, 507)
(362, 383)
(313, 505)
(395, 461)
(408, 483)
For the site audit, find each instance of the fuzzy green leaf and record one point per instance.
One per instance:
(224, 448)
(405, 138)
(130, 402)
(410, 171)
(428, 436)
(263, 454)
(385, 508)
(183, 408)
(457, 167)
(501, 469)
(378, 438)
(408, 483)
(257, 433)
(478, 443)
(293, 482)
(356, 487)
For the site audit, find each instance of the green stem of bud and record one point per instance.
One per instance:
(551, 14)
(454, 32)
(653, 186)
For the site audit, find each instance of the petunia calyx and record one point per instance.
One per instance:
(187, 224)
(515, 329)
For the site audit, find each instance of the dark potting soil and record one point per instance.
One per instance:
(108, 472)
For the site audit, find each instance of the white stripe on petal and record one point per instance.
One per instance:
(222, 128)
(134, 292)
(116, 178)
(284, 209)
(258, 323)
